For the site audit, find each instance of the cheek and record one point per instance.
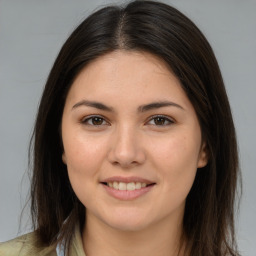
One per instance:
(82, 153)
(177, 151)
(83, 158)
(176, 159)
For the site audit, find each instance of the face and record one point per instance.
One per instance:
(132, 141)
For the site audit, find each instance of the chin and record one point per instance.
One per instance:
(131, 226)
(131, 222)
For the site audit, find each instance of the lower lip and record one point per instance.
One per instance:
(127, 194)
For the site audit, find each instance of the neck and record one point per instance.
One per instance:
(162, 239)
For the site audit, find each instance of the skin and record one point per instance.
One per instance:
(130, 142)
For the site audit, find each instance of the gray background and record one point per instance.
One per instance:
(31, 34)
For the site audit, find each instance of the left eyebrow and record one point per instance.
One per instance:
(156, 105)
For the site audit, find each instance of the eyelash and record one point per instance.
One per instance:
(103, 119)
(165, 118)
(87, 119)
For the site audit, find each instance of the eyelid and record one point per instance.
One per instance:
(85, 120)
(168, 118)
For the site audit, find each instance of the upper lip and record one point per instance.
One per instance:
(127, 179)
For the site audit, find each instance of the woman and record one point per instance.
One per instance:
(134, 145)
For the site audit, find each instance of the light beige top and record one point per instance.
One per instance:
(27, 245)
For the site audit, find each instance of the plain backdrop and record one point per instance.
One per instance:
(31, 34)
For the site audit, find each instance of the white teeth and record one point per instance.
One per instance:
(122, 186)
(127, 186)
(115, 185)
(138, 185)
(130, 186)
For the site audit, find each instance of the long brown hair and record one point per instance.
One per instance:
(162, 30)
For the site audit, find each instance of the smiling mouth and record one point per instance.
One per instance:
(127, 186)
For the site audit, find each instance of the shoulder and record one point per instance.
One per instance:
(26, 245)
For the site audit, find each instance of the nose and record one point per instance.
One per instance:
(126, 148)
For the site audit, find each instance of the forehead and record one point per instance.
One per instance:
(123, 63)
(129, 76)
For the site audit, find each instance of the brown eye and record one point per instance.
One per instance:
(160, 121)
(97, 121)
(94, 121)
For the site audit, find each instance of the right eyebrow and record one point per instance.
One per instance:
(93, 104)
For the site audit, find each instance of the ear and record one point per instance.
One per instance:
(203, 156)
(64, 160)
